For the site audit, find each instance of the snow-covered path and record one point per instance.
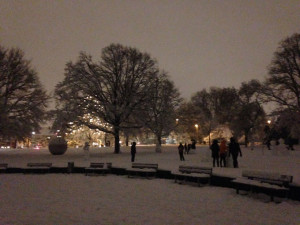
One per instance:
(78, 199)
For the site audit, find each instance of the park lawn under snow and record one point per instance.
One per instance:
(111, 199)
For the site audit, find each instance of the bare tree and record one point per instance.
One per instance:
(214, 107)
(160, 115)
(282, 85)
(187, 117)
(106, 94)
(249, 115)
(287, 125)
(22, 98)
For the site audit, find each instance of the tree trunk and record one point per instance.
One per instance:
(105, 139)
(246, 139)
(127, 140)
(158, 144)
(117, 140)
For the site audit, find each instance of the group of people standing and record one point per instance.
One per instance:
(220, 152)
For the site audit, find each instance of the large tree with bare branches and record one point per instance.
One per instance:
(160, 117)
(104, 95)
(282, 85)
(214, 107)
(249, 115)
(22, 98)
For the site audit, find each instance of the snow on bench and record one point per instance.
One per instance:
(98, 168)
(146, 169)
(37, 167)
(268, 177)
(201, 174)
(262, 181)
(39, 164)
(3, 167)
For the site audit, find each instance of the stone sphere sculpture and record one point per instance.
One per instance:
(57, 146)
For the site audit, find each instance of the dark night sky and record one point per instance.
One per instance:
(200, 43)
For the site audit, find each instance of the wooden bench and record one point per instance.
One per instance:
(38, 167)
(198, 173)
(273, 184)
(39, 164)
(98, 168)
(3, 167)
(144, 169)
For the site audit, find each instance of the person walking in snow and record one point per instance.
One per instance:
(234, 150)
(180, 151)
(215, 150)
(188, 148)
(290, 143)
(268, 143)
(86, 149)
(223, 152)
(185, 148)
(133, 151)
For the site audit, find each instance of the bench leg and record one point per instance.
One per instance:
(184, 180)
(272, 195)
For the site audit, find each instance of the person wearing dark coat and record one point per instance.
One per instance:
(290, 144)
(215, 149)
(188, 148)
(133, 151)
(234, 150)
(185, 148)
(180, 151)
(268, 143)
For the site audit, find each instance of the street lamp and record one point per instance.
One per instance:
(269, 121)
(176, 130)
(33, 138)
(196, 126)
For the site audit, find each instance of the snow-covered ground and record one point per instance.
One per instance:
(78, 199)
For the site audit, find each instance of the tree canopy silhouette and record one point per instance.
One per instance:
(23, 100)
(105, 95)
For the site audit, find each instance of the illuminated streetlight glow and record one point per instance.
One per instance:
(196, 125)
(269, 121)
